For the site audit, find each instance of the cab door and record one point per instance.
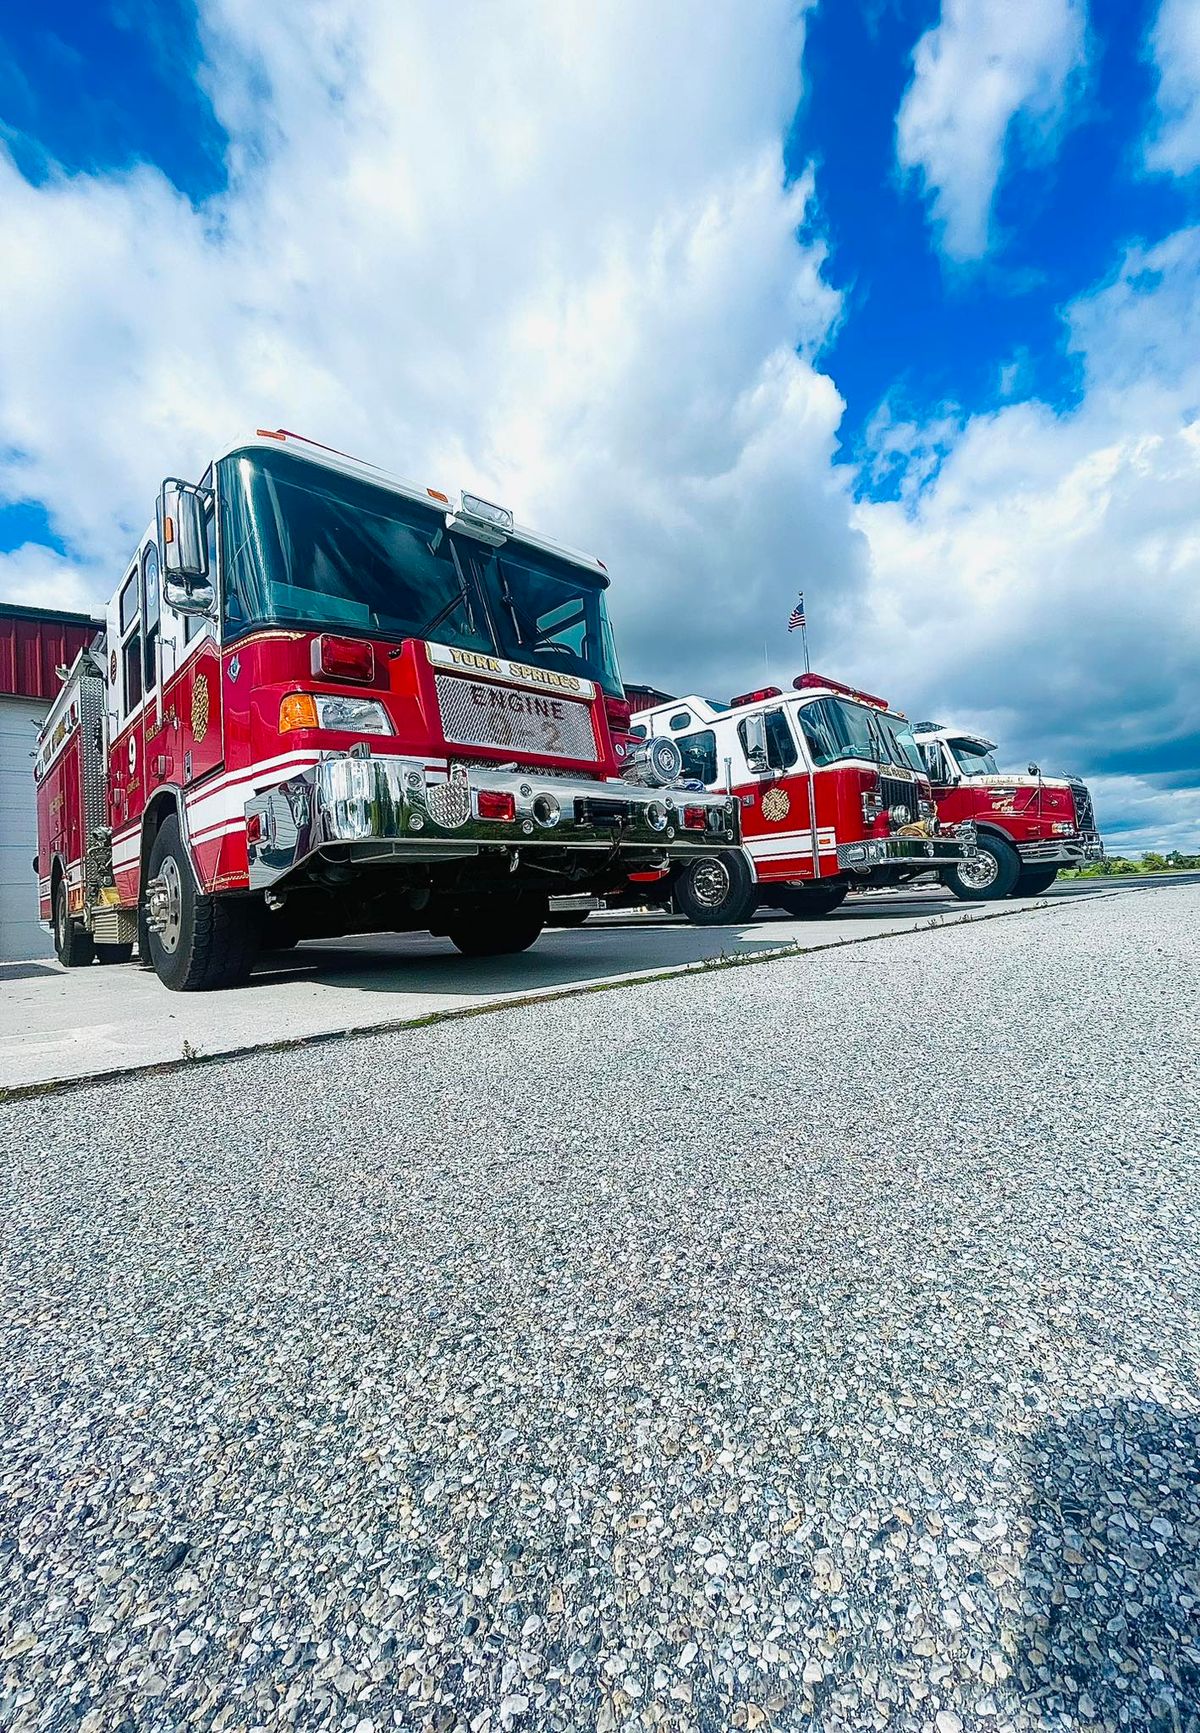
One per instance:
(953, 801)
(196, 705)
(158, 733)
(777, 824)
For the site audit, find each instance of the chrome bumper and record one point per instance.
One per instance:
(393, 809)
(946, 849)
(1061, 851)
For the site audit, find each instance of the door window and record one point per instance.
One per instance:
(931, 752)
(700, 755)
(131, 644)
(781, 748)
(151, 614)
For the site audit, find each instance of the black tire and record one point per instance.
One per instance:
(113, 953)
(73, 944)
(717, 890)
(1032, 881)
(206, 942)
(991, 876)
(568, 918)
(810, 903)
(499, 927)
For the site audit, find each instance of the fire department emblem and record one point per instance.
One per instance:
(200, 708)
(775, 805)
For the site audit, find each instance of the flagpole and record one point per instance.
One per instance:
(804, 635)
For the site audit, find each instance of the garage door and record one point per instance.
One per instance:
(20, 935)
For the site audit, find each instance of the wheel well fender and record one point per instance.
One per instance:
(163, 804)
(995, 830)
(748, 858)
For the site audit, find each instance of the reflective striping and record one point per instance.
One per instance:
(482, 713)
(796, 842)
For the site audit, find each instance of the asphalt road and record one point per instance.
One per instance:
(56, 1025)
(813, 1345)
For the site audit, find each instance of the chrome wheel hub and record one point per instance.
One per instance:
(980, 871)
(164, 905)
(710, 882)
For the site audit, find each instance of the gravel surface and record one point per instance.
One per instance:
(809, 1345)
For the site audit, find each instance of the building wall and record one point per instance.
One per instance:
(20, 935)
(34, 644)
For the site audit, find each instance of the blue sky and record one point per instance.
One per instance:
(892, 299)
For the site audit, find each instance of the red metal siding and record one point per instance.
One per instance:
(33, 643)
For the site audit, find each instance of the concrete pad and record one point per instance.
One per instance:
(57, 1025)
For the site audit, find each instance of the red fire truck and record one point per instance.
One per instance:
(833, 796)
(329, 701)
(1028, 825)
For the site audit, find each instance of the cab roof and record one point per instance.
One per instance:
(312, 451)
(938, 731)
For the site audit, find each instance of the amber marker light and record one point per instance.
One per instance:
(297, 710)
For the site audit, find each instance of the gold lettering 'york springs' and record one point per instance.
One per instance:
(519, 670)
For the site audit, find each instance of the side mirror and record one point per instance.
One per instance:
(183, 542)
(1034, 769)
(754, 737)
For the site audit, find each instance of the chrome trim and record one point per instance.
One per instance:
(390, 808)
(933, 851)
(1061, 850)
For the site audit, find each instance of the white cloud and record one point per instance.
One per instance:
(558, 263)
(32, 573)
(1045, 585)
(1144, 814)
(560, 274)
(1174, 143)
(988, 71)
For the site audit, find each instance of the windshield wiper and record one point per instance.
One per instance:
(506, 596)
(463, 598)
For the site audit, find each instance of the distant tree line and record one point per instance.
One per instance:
(1114, 865)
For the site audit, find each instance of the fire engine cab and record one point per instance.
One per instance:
(832, 791)
(1029, 826)
(330, 701)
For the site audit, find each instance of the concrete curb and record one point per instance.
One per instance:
(390, 1025)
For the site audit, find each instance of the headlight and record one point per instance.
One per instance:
(333, 710)
(353, 715)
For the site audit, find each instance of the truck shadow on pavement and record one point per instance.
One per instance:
(1112, 1573)
(398, 963)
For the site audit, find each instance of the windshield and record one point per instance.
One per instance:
(309, 546)
(549, 611)
(838, 728)
(973, 760)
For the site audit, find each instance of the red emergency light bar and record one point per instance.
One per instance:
(806, 683)
(753, 697)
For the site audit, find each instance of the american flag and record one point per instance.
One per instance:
(796, 618)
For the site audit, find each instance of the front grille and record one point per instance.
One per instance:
(895, 791)
(483, 713)
(1085, 818)
(596, 810)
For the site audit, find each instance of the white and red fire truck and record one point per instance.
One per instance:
(832, 791)
(330, 701)
(1029, 825)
